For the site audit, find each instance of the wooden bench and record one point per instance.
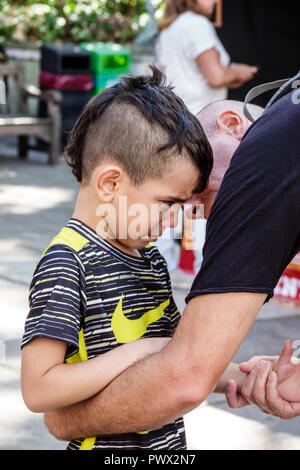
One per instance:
(14, 116)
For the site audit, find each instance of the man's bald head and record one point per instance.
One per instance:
(209, 114)
(225, 125)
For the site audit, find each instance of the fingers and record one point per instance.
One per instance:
(279, 407)
(234, 399)
(285, 355)
(285, 358)
(249, 365)
(231, 394)
(260, 388)
(254, 388)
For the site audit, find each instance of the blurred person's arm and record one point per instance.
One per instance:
(219, 76)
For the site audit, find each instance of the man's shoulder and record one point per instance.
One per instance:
(276, 132)
(282, 113)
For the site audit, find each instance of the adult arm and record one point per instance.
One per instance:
(218, 75)
(166, 385)
(202, 47)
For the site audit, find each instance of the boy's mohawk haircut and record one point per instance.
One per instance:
(140, 115)
(140, 81)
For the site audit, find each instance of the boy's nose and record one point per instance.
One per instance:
(170, 221)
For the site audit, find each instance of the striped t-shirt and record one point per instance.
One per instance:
(91, 295)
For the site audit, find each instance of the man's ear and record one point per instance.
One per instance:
(232, 123)
(107, 182)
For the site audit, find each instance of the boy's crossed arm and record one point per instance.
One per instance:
(47, 383)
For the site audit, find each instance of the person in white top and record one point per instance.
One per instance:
(192, 56)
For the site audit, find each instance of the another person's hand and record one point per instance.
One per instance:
(235, 399)
(245, 73)
(273, 392)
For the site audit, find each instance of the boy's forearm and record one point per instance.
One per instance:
(231, 373)
(66, 384)
(141, 398)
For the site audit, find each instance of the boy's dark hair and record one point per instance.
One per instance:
(141, 124)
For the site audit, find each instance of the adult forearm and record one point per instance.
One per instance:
(146, 396)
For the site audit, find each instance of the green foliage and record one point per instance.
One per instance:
(69, 20)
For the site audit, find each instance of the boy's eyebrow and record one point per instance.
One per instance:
(175, 199)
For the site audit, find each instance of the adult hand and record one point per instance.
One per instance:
(234, 397)
(244, 72)
(262, 385)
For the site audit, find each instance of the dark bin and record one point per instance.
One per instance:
(67, 59)
(71, 106)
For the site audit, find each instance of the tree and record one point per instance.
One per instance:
(73, 20)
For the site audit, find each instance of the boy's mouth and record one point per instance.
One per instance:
(154, 236)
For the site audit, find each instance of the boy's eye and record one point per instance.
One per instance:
(169, 203)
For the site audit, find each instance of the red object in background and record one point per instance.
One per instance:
(65, 82)
(186, 262)
(287, 291)
(288, 287)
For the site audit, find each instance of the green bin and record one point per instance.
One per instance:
(108, 62)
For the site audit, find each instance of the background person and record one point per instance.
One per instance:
(192, 56)
(195, 62)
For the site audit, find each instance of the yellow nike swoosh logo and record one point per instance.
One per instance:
(126, 330)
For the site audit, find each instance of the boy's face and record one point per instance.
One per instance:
(143, 212)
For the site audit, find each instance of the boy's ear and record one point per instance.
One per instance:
(107, 181)
(232, 123)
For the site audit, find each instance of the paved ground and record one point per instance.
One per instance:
(35, 201)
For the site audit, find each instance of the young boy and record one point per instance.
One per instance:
(101, 286)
